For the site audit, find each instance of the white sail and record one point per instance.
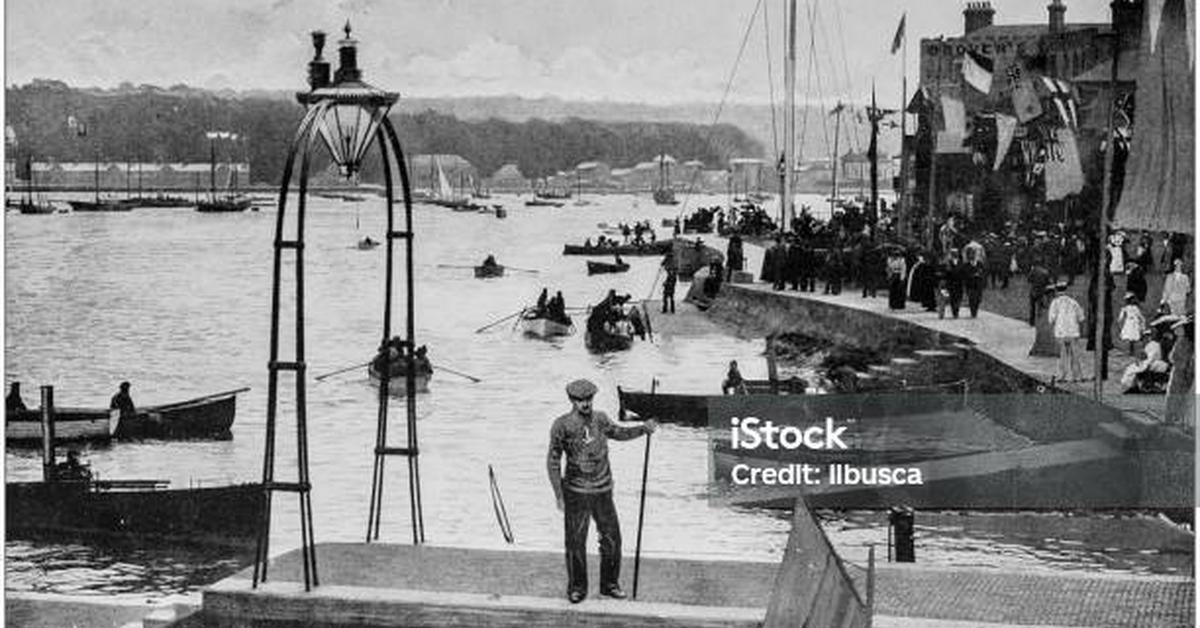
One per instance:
(444, 191)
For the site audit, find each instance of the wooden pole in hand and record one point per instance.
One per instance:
(637, 553)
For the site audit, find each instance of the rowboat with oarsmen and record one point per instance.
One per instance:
(210, 416)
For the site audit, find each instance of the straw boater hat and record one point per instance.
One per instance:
(1169, 320)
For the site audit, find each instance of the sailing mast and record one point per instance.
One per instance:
(787, 202)
(837, 127)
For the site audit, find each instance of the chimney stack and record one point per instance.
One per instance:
(1058, 13)
(1127, 22)
(977, 15)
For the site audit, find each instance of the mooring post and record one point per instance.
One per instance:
(47, 433)
(871, 586)
(901, 521)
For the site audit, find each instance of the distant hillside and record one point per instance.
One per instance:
(541, 136)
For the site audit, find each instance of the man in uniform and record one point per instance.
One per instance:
(584, 489)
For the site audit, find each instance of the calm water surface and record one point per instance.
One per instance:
(177, 302)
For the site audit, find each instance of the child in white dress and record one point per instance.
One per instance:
(1132, 322)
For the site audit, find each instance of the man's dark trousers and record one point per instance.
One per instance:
(580, 508)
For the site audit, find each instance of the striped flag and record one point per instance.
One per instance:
(898, 39)
(976, 72)
(1064, 101)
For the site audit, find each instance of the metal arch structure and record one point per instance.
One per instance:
(289, 236)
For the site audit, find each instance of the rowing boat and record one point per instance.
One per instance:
(210, 416)
(24, 427)
(397, 386)
(485, 271)
(545, 328)
(596, 268)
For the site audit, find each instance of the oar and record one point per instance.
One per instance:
(637, 553)
(498, 507)
(454, 266)
(497, 322)
(522, 270)
(458, 373)
(197, 399)
(339, 371)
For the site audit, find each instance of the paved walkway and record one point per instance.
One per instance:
(1006, 339)
(906, 595)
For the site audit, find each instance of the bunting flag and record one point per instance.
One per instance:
(954, 117)
(1154, 11)
(1064, 172)
(1006, 127)
(898, 39)
(1064, 100)
(1159, 187)
(977, 72)
(1025, 101)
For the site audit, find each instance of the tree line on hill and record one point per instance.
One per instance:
(51, 120)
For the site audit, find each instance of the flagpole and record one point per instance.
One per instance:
(1100, 355)
(904, 200)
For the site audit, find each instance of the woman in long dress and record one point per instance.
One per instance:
(1176, 288)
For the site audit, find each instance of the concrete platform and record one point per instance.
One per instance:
(399, 585)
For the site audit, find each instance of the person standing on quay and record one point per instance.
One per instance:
(1176, 288)
(583, 490)
(123, 402)
(1066, 318)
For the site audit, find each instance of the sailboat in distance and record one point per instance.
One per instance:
(27, 204)
(663, 194)
(230, 201)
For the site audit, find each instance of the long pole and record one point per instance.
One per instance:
(837, 127)
(637, 552)
(902, 213)
(789, 123)
(1102, 295)
(873, 156)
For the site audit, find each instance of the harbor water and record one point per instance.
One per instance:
(177, 302)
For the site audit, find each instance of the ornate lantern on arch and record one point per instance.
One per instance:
(349, 116)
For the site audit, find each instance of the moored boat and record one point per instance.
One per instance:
(539, 202)
(24, 427)
(141, 511)
(210, 416)
(660, 247)
(100, 206)
(596, 268)
(227, 204)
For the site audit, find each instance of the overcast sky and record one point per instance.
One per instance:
(654, 51)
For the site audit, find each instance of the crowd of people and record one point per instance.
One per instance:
(390, 359)
(611, 317)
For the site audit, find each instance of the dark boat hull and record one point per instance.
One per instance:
(212, 418)
(688, 410)
(224, 206)
(604, 342)
(101, 206)
(597, 268)
(655, 248)
(224, 516)
(485, 272)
